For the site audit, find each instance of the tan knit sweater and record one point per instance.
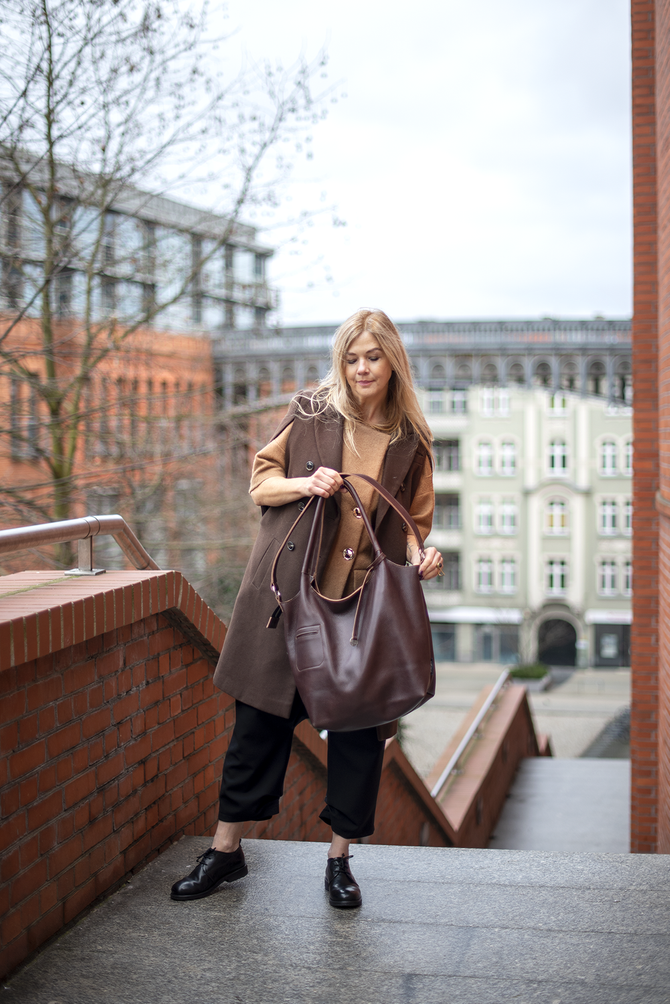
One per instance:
(343, 574)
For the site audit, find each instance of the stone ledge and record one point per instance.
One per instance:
(43, 612)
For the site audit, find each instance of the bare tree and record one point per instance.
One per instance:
(99, 98)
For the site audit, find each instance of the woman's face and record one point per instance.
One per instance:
(367, 370)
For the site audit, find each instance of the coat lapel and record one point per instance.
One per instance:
(398, 461)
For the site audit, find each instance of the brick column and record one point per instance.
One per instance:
(644, 723)
(663, 243)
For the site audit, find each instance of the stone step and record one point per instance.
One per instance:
(437, 926)
(567, 805)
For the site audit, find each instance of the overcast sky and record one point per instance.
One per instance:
(481, 158)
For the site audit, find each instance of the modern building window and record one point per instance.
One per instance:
(508, 517)
(607, 517)
(485, 458)
(608, 458)
(628, 578)
(628, 457)
(607, 578)
(557, 517)
(484, 516)
(484, 575)
(557, 577)
(459, 402)
(447, 455)
(447, 514)
(558, 456)
(508, 458)
(628, 516)
(508, 575)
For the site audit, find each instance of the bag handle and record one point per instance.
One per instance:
(312, 552)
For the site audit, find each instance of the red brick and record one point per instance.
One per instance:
(29, 881)
(12, 706)
(110, 769)
(79, 789)
(95, 722)
(134, 752)
(27, 760)
(63, 740)
(79, 677)
(65, 855)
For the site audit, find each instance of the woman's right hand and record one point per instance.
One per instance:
(324, 482)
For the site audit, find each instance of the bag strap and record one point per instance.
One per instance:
(400, 509)
(312, 552)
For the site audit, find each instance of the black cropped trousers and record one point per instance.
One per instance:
(256, 762)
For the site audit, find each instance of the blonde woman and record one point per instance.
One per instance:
(363, 418)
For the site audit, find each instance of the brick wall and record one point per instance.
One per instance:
(110, 749)
(663, 210)
(644, 635)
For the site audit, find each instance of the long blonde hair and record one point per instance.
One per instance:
(403, 414)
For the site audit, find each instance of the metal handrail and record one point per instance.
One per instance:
(467, 738)
(82, 530)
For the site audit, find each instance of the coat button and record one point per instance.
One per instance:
(310, 465)
(357, 512)
(301, 505)
(404, 528)
(348, 553)
(291, 545)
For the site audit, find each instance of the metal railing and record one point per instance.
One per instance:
(469, 735)
(82, 530)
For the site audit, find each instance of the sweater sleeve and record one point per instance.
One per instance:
(270, 462)
(423, 502)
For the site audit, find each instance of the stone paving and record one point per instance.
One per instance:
(437, 926)
(572, 713)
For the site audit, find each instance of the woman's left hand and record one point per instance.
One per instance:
(432, 563)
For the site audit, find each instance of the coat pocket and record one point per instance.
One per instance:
(308, 647)
(261, 576)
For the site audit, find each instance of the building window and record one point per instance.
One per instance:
(607, 576)
(485, 458)
(451, 580)
(447, 512)
(484, 516)
(508, 575)
(452, 570)
(628, 578)
(607, 517)
(484, 575)
(628, 516)
(447, 455)
(495, 402)
(558, 404)
(487, 404)
(557, 577)
(608, 458)
(435, 402)
(628, 457)
(557, 517)
(508, 458)
(459, 402)
(558, 456)
(508, 516)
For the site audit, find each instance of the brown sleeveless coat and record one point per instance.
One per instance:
(253, 666)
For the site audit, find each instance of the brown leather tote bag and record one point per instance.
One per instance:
(366, 659)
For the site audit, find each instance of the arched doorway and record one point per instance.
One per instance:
(557, 643)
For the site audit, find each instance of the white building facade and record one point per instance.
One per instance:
(534, 518)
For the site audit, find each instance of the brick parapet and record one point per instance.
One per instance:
(645, 603)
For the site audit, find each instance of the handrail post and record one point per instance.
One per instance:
(85, 559)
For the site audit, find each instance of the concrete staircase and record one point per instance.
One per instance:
(437, 926)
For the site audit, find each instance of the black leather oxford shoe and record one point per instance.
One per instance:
(341, 886)
(213, 868)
